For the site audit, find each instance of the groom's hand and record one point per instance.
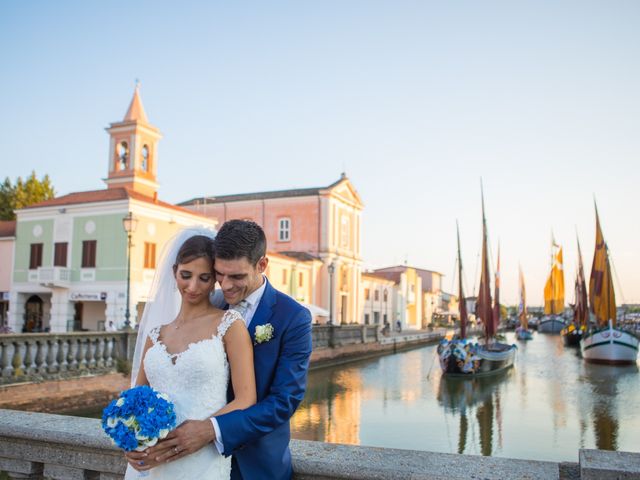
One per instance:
(188, 438)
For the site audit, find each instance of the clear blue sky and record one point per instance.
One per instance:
(416, 100)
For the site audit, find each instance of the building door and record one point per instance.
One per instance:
(77, 317)
(33, 314)
(343, 309)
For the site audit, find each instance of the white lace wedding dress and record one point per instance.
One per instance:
(196, 381)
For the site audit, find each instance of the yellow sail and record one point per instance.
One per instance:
(522, 307)
(602, 298)
(554, 288)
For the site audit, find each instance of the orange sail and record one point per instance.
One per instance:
(602, 298)
(554, 288)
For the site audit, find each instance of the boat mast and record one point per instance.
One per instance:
(462, 303)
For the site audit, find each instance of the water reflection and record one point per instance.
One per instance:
(547, 407)
(605, 382)
(475, 397)
(331, 409)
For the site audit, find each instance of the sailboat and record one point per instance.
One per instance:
(523, 332)
(460, 357)
(574, 332)
(606, 343)
(553, 322)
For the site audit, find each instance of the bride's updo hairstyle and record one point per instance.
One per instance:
(193, 248)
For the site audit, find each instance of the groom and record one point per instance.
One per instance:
(258, 437)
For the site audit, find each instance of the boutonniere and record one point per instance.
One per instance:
(264, 333)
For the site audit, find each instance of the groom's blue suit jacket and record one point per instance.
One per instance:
(258, 437)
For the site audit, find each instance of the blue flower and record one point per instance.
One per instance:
(138, 418)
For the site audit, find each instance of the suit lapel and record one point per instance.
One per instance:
(264, 310)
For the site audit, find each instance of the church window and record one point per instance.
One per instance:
(145, 159)
(344, 231)
(123, 155)
(284, 229)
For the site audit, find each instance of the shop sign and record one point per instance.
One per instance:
(88, 296)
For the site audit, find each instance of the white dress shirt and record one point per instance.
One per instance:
(253, 301)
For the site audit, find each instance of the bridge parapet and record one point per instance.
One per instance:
(55, 447)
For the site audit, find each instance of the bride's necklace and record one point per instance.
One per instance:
(178, 324)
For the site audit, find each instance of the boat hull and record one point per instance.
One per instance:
(522, 334)
(463, 359)
(551, 325)
(572, 339)
(610, 345)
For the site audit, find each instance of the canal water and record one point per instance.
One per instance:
(547, 407)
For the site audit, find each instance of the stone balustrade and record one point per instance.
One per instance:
(47, 356)
(28, 357)
(54, 447)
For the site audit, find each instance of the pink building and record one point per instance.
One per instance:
(320, 224)
(7, 244)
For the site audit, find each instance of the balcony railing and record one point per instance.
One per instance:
(54, 276)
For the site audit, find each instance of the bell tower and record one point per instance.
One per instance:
(133, 151)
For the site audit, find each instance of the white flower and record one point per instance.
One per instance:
(112, 422)
(151, 442)
(130, 421)
(120, 402)
(264, 333)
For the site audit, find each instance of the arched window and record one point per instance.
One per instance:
(123, 155)
(144, 165)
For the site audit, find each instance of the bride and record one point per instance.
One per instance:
(186, 348)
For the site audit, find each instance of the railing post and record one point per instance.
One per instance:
(7, 359)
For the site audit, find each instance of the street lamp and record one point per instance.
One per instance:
(129, 223)
(331, 269)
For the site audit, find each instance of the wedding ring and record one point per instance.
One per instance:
(176, 450)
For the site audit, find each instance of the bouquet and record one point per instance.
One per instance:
(138, 418)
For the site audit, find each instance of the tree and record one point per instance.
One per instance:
(23, 193)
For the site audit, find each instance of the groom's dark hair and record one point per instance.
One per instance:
(240, 238)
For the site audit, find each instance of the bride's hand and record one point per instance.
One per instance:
(141, 461)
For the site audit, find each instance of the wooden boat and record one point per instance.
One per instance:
(553, 322)
(522, 331)
(459, 356)
(574, 332)
(607, 343)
